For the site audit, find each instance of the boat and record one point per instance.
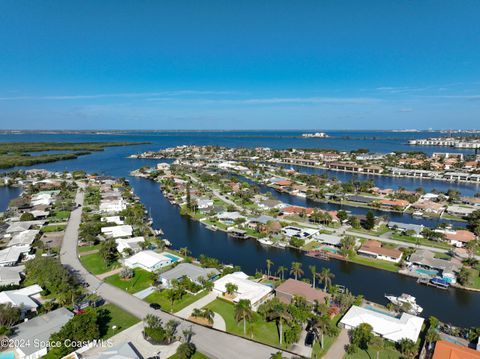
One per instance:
(212, 227)
(281, 244)
(417, 214)
(167, 242)
(265, 241)
(158, 232)
(406, 300)
(440, 282)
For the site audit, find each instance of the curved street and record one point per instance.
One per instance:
(213, 343)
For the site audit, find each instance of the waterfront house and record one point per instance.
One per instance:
(297, 210)
(133, 244)
(257, 293)
(117, 231)
(38, 330)
(393, 204)
(26, 299)
(375, 250)
(112, 205)
(460, 211)
(150, 260)
(416, 229)
(229, 217)
(270, 204)
(471, 201)
(429, 206)
(11, 255)
(303, 233)
(448, 350)
(291, 288)
(188, 270)
(328, 239)
(203, 203)
(362, 199)
(385, 324)
(423, 262)
(10, 276)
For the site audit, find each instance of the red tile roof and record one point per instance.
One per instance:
(447, 350)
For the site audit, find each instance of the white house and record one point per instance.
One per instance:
(229, 217)
(24, 298)
(113, 219)
(23, 238)
(112, 206)
(385, 324)
(118, 231)
(11, 255)
(38, 330)
(255, 292)
(129, 243)
(150, 260)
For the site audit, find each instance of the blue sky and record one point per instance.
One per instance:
(376, 64)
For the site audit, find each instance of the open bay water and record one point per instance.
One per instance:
(454, 306)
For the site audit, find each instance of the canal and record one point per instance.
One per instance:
(8, 193)
(453, 306)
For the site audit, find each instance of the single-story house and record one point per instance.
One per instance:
(448, 350)
(24, 238)
(406, 227)
(38, 330)
(129, 243)
(375, 250)
(291, 287)
(328, 239)
(472, 201)
(426, 259)
(460, 211)
(24, 298)
(291, 210)
(11, 255)
(270, 204)
(255, 292)
(460, 237)
(113, 219)
(10, 276)
(124, 230)
(229, 217)
(391, 203)
(112, 205)
(119, 351)
(387, 326)
(291, 231)
(150, 260)
(204, 203)
(191, 271)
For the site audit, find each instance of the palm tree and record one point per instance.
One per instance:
(197, 313)
(320, 326)
(208, 314)
(184, 251)
(281, 270)
(269, 265)
(187, 334)
(313, 270)
(243, 311)
(280, 314)
(326, 277)
(296, 269)
(230, 288)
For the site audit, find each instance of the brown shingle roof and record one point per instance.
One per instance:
(295, 287)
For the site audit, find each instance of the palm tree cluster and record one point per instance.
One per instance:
(204, 313)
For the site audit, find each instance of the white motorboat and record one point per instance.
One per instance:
(265, 241)
(406, 302)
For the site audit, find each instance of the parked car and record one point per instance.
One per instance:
(155, 306)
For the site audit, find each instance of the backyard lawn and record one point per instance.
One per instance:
(372, 353)
(257, 329)
(141, 280)
(95, 264)
(377, 263)
(89, 248)
(116, 317)
(59, 216)
(159, 297)
(53, 228)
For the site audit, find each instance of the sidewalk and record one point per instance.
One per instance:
(187, 311)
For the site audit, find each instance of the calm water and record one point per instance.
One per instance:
(6, 195)
(454, 306)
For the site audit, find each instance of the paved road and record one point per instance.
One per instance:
(211, 342)
(337, 350)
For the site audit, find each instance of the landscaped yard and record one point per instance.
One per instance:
(197, 355)
(89, 248)
(422, 241)
(59, 216)
(159, 297)
(377, 263)
(257, 329)
(141, 280)
(318, 351)
(53, 228)
(95, 264)
(119, 318)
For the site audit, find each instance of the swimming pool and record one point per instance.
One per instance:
(331, 250)
(171, 256)
(8, 355)
(427, 272)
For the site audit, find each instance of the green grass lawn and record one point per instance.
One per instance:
(95, 264)
(257, 329)
(141, 280)
(60, 215)
(311, 246)
(422, 241)
(160, 298)
(376, 263)
(53, 228)
(372, 353)
(197, 355)
(117, 317)
(317, 351)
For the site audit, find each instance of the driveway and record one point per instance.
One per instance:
(212, 343)
(187, 311)
(337, 350)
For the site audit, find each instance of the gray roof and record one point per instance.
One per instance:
(406, 226)
(263, 219)
(427, 258)
(120, 351)
(40, 328)
(329, 239)
(188, 270)
(10, 275)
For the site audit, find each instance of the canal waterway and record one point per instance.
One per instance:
(458, 307)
